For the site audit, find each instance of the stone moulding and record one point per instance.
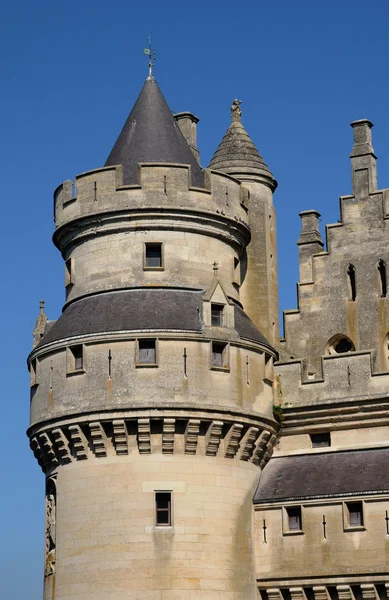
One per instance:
(68, 443)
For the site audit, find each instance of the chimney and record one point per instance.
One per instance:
(187, 123)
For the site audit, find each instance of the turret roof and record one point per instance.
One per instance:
(237, 154)
(151, 134)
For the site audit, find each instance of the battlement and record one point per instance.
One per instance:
(348, 377)
(161, 186)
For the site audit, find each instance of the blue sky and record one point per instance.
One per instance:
(70, 72)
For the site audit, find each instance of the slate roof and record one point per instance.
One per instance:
(151, 134)
(132, 310)
(237, 154)
(325, 474)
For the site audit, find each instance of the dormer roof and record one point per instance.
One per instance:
(151, 135)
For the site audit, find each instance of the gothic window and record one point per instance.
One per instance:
(153, 258)
(147, 352)
(352, 282)
(163, 509)
(381, 266)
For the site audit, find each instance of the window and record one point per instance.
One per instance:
(320, 440)
(236, 272)
(217, 315)
(34, 372)
(147, 352)
(354, 514)
(294, 522)
(352, 283)
(76, 362)
(339, 344)
(153, 256)
(219, 355)
(382, 276)
(163, 509)
(69, 276)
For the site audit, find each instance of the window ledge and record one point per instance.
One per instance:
(222, 369)
(355, 528)
(153, 268)
(75, 372)
(146, 365)
(293, 532)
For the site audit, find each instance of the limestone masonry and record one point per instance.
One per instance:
(189, 453)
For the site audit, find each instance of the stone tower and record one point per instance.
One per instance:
(152, 394)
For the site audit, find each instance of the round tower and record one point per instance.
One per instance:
(238, 156)
(151, 395)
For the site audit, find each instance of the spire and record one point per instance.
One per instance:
(151, 134)
(40, 324)
(237, 154)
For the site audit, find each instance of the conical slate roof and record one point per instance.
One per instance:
(237, 155)
(151, 134)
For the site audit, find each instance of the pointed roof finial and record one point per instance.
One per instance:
(236, 112)
(215, 267)
(152, 58)
(42, 306)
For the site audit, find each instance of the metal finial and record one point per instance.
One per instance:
(152, 58)
(42, 306)
(236, 112)
(215, 268)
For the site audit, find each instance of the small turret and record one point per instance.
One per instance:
(238, 156)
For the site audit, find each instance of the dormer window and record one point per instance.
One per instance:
(217, 315)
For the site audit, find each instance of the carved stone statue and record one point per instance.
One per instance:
(236, 112)
(50, 530)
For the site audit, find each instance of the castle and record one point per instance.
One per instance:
(189, 452)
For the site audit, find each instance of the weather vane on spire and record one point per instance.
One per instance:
(152, 58)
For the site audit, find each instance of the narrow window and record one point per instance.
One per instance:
(320, 440)
(69, 273)
(382, 275)
(147, 352)
(33, 372)
(78, 358)
(294, 518)
(163, 509)
(236, 272)
(217, 315)
(219, 355)
(153, 256)
(352, 282)
(355, 514)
